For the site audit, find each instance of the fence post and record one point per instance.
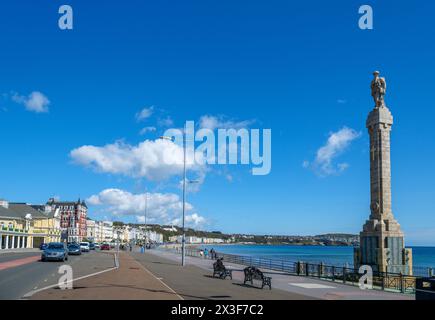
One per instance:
(402, 288)
(298, 268)
(333, 273)
(344, 274)
(307, 271)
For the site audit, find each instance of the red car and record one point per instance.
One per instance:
(105, 246)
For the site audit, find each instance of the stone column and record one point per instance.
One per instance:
(1, 241)
(7, 242)
(13, 242)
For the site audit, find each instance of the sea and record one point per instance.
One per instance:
(423, 257)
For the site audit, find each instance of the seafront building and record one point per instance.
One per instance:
(73, 216)
(27, 226)
(196, 240)
(128, 233)
(91, 230)
(153, 237)
(100, 231)
(107, 231)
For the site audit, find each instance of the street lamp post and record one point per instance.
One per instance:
(146, 209)
(183, 241)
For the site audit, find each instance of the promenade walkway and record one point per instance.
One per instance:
(131, 281)
(301, 287)
(194, 282)
(151, 277)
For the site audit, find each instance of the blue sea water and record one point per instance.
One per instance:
(423, 257)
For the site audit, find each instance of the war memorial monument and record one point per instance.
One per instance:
(382, 244)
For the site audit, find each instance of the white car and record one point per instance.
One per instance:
(84, 246)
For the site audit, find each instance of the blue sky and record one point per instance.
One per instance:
(302, 69)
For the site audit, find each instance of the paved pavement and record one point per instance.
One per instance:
(9, 251)
(131, 281)
(150, 277)
(195, 283)
(302, 286)
(23, 272)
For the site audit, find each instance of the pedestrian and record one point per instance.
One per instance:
(206, 253)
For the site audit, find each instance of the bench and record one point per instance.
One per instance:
(221, 271)
(252, 273)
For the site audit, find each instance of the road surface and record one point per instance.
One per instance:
(21, 273)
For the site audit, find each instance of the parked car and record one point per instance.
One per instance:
(74, 249)
(92, 246)
(55, 251)
(105, 246)
(84, 246)
(97, 246)
(43, 246)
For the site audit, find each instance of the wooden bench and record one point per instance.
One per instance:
(221, 271)
(252, 273)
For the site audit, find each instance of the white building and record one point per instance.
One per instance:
(91, 230)
(98, 231)
(154, 237)
(171, 229)
(196, 240)
(107, 231)
(137, 234)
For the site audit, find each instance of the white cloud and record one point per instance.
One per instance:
(155, 160)
(165, 122)
(342, 166)
(336, 144)
(147, 129)
(35, 102)
(144, 114)
(193, 220)
(220, 122)
(164, 208)
(341, 101)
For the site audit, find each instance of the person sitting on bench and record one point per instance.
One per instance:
(220, 270)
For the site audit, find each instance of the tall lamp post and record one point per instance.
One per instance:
(146, 209)
(183, 241)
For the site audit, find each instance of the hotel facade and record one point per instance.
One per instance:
(73, 218)
(24, 226)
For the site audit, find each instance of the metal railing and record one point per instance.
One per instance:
(346, 275)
